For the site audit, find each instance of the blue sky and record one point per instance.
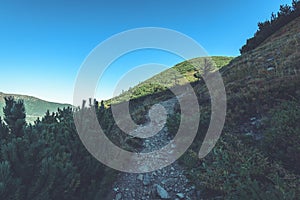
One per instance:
(44, 43)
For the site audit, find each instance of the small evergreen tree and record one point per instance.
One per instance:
(14, 115)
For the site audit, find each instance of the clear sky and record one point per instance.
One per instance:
(43, 43)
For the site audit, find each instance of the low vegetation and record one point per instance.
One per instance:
(46, 160)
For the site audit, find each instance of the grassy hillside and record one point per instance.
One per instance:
(257, 156)
(34, 107)
(169, 78)
(267, 75)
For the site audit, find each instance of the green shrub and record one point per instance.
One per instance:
(282, 138)
(236, 171)
(173, 122)
(189, 159)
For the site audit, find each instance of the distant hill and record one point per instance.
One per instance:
(34, 107)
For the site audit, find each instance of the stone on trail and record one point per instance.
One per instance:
(118, 196)
(180, 195)
(147, 180)
(140, 177)
(161, 192)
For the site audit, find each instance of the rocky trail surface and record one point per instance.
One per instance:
(166, 183)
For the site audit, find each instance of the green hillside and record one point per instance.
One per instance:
(179, 74)
(257, 156)
(34, 107)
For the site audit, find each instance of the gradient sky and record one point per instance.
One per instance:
(44, 43)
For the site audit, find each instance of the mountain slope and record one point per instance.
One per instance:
(257, 156)
(259, 147)
(34, 107)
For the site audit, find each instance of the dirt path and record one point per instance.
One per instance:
(167, 183)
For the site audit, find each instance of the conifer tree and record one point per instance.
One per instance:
(14, 115)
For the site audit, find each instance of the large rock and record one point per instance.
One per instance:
(161, 192)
